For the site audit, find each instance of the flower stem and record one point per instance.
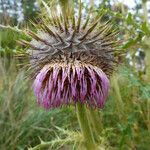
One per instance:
(96, 121)
(85, 127)
(119, 101)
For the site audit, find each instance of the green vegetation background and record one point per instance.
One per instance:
(124, 121)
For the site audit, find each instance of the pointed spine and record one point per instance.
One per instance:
(25, 43)
(59, 24)
(35, 36)
(79, 16)
(51, 33)
(86, 22)
(89, 31)
(73, 21)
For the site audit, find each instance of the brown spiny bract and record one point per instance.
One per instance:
(69, 38)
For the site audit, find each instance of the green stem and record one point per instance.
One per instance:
(92, 3)
(147, 51)
(41, 146)
(85, 127)
(145, 11)
(15, 29)
(96, 121)
(148, 115)
(119, 101)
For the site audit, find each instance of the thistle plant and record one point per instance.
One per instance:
(72, 57)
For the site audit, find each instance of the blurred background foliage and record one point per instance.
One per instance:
(125, 120)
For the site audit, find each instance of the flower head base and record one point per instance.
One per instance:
(62, 84)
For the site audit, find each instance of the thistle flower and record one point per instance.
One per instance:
(72, 59)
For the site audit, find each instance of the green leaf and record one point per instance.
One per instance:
(145, 28)
(129, 43)
(129, 18)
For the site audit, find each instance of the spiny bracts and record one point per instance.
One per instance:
(72, 58)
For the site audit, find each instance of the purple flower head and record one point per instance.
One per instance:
(64, 84)
(71, 57)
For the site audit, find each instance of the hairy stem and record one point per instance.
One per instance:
(119, 101)
(11, 28)
(85, 127)
(96, 121)
(41, 146)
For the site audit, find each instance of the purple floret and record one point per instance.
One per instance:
(66, 84)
